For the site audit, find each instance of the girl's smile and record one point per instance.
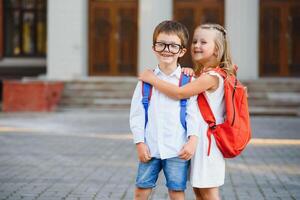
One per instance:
(203, 46)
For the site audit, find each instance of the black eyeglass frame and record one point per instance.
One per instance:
(168, 46)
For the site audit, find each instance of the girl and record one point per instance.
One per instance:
(209, 50)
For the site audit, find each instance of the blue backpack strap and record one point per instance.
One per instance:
(184, 79)
(146, 91)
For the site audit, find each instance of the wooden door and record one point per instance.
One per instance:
(1, 29)
(112, 37)
(192, 13)
(280, 38)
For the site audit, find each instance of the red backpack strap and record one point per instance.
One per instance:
(220, 71)
(208, 116)
(206, 111)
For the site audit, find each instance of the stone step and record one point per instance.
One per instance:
(262, 110)
(68, 94)
(291, 96)
(96, 101)
(254, 110)
(267, 99)
(273, 103)
(266, 96)
(106, 79)
(274, 98)
(100, 86)
(273, 85)
(109, 84)
(93, 107)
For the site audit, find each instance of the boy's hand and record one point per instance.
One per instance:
(188, 71)
(143, 152)
(188, 150)
(147, 76)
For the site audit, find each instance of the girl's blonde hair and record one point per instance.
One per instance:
(222, 47)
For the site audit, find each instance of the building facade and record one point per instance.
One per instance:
(73, 39)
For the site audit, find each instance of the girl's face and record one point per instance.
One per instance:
(203, 47)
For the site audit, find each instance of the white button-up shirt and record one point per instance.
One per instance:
(164, 134)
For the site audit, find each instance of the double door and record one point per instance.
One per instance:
(280, 38)
(112, 37)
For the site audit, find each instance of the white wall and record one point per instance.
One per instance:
(67, 39)
(151, 13)
(242, 24)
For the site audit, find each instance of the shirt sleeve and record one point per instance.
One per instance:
(137, 115)
(193, 117)
(221, 80)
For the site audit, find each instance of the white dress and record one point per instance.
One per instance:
(209, 171)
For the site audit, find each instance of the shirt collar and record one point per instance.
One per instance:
(176, 73)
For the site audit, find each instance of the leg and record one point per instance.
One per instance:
(142, 193)
(197, 193)
(176, 170)
(146, 178)
(176, 195)
(208, 193)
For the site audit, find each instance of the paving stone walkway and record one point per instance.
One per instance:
(81, 155)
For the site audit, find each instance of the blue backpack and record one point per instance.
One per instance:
(147, 92)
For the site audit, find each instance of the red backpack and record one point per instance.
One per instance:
(233, 135)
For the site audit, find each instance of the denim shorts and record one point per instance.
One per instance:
(175, 171)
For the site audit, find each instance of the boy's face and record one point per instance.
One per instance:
(168, 48)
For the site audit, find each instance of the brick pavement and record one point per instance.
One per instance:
(90, 155)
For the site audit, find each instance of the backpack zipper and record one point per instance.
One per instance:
(235, 83)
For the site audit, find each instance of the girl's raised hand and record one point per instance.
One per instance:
(147, 76)
(188, 71)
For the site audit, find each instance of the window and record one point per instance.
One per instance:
(25, 28)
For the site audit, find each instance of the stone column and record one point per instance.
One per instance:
(242, 24)
(67, 39)
(151, 13)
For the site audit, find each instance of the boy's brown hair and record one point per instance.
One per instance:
(172, 27)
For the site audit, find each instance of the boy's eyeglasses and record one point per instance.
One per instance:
(173, 48)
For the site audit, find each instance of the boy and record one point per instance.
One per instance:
(162, 143)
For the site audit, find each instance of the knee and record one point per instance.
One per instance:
(209, 196)
(197, 194)
(142, 194)
(176, 195)
(207, 193)
(138, 196)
